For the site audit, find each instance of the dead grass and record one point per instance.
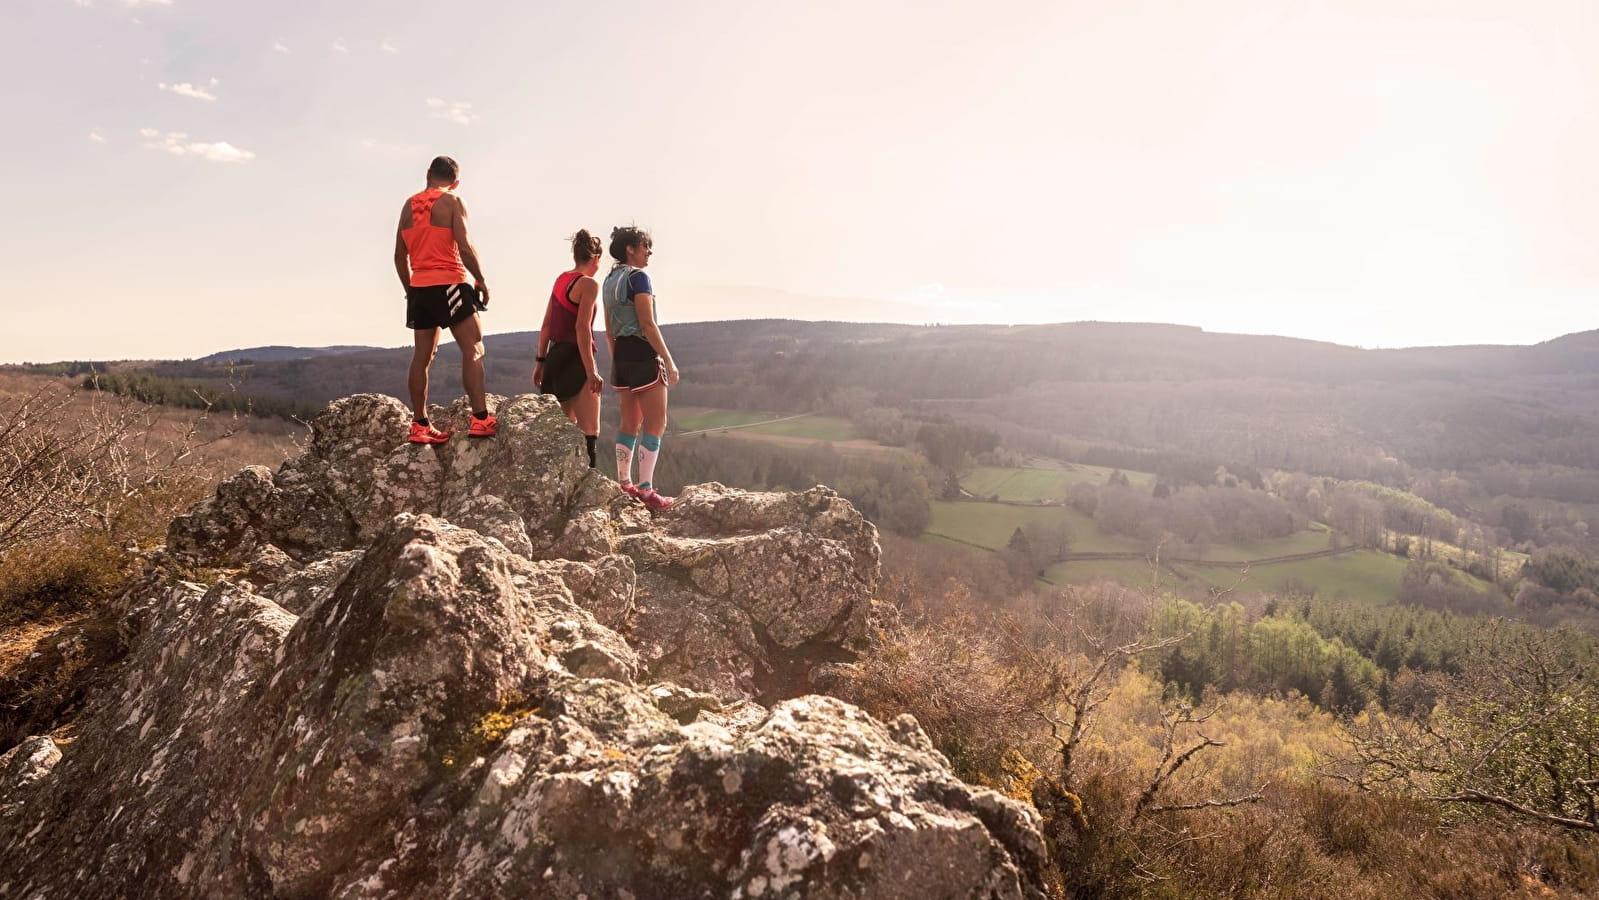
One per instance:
(58, 637)
(49, 669)
(19, 642)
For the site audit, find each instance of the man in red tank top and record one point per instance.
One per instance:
(432, 254)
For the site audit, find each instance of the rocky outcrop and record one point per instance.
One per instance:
(379, 701)
(729, 592)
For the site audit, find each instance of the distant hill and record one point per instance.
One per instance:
(1246, 400)
(279, 354)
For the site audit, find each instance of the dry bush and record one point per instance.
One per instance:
(84, 478)
(60, 577)
(960, 682)
(84, 475)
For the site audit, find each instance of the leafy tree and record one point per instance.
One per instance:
(1518, 733)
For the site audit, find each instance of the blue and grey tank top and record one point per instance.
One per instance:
(620, 287)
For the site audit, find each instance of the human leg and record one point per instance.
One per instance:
(632, 416)
(469, 338)
(427, 346)
(586, 413)
(654, 403)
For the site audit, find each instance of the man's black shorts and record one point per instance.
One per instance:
(563, 371)
(440, 305)
(636, 368)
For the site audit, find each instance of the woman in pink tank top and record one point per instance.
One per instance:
(565, 363)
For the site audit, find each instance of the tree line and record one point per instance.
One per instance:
(148, 388)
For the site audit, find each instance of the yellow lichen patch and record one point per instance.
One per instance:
(490, 729)
(1020, 775)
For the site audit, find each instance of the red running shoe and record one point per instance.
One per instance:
(654, 500)
(427, 434)
(629, 488)
(484, 427)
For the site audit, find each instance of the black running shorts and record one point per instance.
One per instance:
(440, 305)
(564, 375)
(636, 368)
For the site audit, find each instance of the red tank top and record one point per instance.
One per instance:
(434, 257)
(560, 318)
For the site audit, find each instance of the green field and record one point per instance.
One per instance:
(815, 428)
(1368, 575)
(992, 524)
(720, 418)
(1040, 484)
(1316, 539)
(1363, 574)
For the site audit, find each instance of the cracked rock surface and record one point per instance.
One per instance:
(479, 670)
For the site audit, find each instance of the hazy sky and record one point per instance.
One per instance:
(195, 175)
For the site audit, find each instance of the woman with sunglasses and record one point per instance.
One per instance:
(564, 365)
(641, 365)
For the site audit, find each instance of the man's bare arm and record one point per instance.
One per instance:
(463, 243)
(402, 261)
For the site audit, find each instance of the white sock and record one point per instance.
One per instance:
(649, 450)
(624, 457)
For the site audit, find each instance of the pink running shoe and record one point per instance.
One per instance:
(654, 500)
(629, 488)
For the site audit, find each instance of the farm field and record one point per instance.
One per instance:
(783, 425)
(1132, 573)
(1040, 484)
(700, 418)
(1369, 575)
(1317, 538)
(992, 524)
(815, 428)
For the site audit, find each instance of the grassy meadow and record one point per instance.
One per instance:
(747, 422)
(991, 525)
(1025, 484)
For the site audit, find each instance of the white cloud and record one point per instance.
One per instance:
(457, 111)
(280, 47)
(338, 46)
(387, 47)
(185, 89)
(96, 138)
(178, 144)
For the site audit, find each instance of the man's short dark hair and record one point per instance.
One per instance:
(444, 169)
